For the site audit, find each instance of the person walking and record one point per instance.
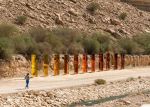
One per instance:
(27, 78)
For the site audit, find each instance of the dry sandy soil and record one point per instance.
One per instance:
(121, 90)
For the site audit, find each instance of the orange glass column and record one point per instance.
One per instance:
(56, 64)
(93, 62)
(84, 63)
(66, 64)
(115, 61)
(107, 61)
(122, 61)
(101, 62)
(76, 64)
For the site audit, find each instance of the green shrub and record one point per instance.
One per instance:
(92, 7)
(105, 40)
(143, 40)
(75, 48)
(123, 16)
(44, 48)
(128, 46)
(25, 45)
(7, 30)
(20, 20)
(6, 48)
(100, 81)
(90, 46)
(68, 40)
(39, 34)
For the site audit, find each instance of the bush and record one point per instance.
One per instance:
(6, 48)
(25, 45)
(92, 7)
(122, 16)
(75, 48)
(20, 20)
(130, 79)
(67, 39)
(144, 42)
(39, 34)
(105, 40)
(90, 46)
(100, 81)
(128, 46)
(44, 48)
(7, 30)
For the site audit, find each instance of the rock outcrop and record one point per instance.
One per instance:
(17, 66)
(73, 14)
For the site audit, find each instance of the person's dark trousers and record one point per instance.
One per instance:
(27, 83)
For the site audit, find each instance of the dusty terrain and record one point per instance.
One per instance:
(73, 14)
(89, 95)
(79, 90)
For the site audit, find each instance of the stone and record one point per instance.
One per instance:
(115, 22)
(125, 102)
(74, 1)
(73, 12)
(92, 20)
(106, 20)
(58, 20)
(123, 31)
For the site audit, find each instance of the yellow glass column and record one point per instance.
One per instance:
(34, 72)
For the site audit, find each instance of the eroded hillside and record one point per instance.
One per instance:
(74, 14)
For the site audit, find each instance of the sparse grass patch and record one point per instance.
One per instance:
(139, 77)
(92, 7)
(130, 79)
(20, 20)
(123, 16)
(100, 81)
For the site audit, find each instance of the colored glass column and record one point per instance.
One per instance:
(66, 64)
(101, 61)
(115, 61)
(76, 64)
(84, 63)
(45, 65)
(93, 62)
(34, 72)
(107, 61)
(56, 64)
(122, 61)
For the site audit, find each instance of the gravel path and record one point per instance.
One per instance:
(72, 97)
(51, 82)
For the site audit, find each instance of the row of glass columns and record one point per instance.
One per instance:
(56, 64)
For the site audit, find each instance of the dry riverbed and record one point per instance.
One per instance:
(124, 93)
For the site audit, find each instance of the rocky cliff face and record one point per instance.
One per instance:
(141, 4)
(73, 14)
(17, 66)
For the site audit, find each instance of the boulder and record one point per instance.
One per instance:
(115, 22)
(73, 12)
